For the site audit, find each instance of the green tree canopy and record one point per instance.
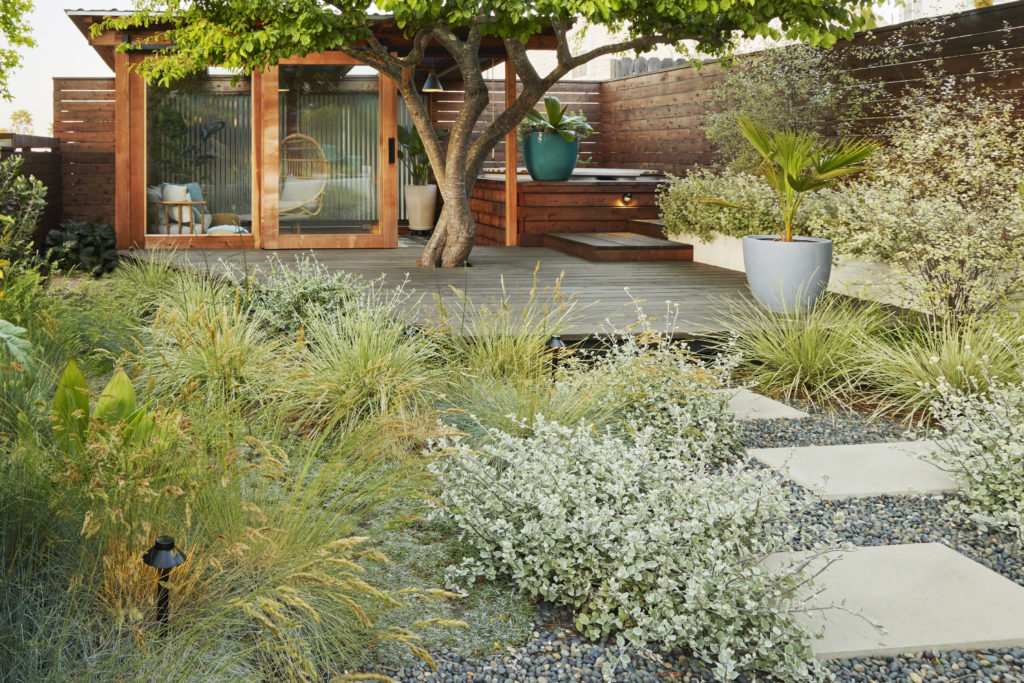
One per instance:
(252, 34)
(14, 34)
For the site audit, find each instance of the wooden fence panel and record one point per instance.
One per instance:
(655, 120)
(83, 119)
(577, 95)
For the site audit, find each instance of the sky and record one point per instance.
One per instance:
(61, 51)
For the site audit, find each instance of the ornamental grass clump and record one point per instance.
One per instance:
(813, 354)
(648, 542)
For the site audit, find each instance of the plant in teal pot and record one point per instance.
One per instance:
(551, 140)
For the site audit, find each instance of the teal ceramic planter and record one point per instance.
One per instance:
(549, 157)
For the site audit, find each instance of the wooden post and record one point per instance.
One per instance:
(511, 157)
(269, 160)
(122, 153)
(387, 168)
(137, 136)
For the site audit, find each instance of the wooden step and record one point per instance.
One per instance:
(617, 246)
(651, 227)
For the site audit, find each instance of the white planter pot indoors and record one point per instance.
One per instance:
(420, 205)
(787, 276)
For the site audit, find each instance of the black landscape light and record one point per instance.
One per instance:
(165, 557)
(627, 197)
(555, 344)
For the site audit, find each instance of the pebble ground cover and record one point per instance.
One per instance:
(556, 652)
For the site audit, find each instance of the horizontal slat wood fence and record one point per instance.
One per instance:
(655, 120)
(577, 95)
(83, 119)
(42, 159)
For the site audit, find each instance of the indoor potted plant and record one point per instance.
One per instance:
(421, 195)
(788, 272)
(551, 140)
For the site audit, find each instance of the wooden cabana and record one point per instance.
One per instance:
(220, 138)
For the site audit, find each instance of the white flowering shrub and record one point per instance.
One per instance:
(647, 541)
(648, 381)
(985, 451)
(289, 294)
(684, 212)
(943, 205)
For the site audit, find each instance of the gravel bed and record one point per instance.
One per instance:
(894, 520)
(556, 652)
(822, 428)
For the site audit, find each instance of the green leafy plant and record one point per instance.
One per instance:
(554, 119)
(414, 153)
(22, 200)
(795, 164)
(800, 87)
(83, 245)
(17, 348)
(985, 452)
(115, 406)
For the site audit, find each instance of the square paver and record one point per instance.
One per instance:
(860, 470)
(747, 405)
(925, 595)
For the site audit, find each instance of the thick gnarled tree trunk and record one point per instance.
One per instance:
(457, 167)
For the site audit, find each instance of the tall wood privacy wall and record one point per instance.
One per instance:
(42, 159)
(654, 120)
(576, 95)
(83, 119)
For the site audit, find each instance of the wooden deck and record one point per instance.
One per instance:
(603, 303)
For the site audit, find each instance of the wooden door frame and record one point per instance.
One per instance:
(266, 181)
(131, 149)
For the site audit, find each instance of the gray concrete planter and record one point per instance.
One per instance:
(787, 276)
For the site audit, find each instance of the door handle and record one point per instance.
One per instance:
(391, 150)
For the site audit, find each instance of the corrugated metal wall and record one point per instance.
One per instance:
(345, 125)
(176, 123)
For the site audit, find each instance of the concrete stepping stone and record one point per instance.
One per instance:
(860, 470)
(925, 595)
(747, 405)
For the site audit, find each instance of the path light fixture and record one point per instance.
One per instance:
(555, 344)
(164, 557)
(627, 197)
(432, 84)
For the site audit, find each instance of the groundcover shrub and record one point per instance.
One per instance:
(985, 452)
(648, 541)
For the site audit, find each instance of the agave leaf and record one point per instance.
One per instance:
(117, 402)
(554, 109)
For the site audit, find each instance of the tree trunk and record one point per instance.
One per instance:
(454, 234)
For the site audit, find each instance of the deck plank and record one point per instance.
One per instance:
(605, 294)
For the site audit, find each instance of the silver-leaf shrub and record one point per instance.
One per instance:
(646, 539)
(652, 382)
(985, 451)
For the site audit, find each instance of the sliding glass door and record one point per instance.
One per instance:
(330, 175)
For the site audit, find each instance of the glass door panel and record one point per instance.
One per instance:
(328, 149)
